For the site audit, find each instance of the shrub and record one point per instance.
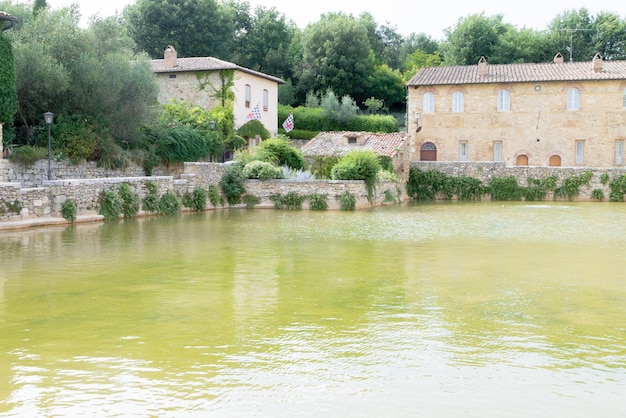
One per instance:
(262, 170)
(570, 188)
(232, 183)
(322, 166)
(196, 200)
(347, 201)
(250, 200)
(28, 155)
(150, 201)
(505, 189)
(68, 210)
(130, 201)
(279, 152)
(110, 205)
(318, 202)
(252, 128)
(597, 194)
(214, 196)
(425, 185)
(170, 204)
(358, 165)
(296, 175)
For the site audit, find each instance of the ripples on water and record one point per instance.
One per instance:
(428, 310)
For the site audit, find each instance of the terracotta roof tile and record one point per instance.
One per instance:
(336, 143)
(205, 64)
(519, 73)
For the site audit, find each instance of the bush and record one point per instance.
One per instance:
(232, 183)
(279, 152)
(170, 204)
(110, 205)
(69, 210)
(505, 189)
(297, 175)
(262, 170)
(358, 165)
(214, 196)
(28, 155)
(252, 128)
(196, 200)
(130, 201)
(150, 201)
(250, 200)
(347, 201)
(318, 202)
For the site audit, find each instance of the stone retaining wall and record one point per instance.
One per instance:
(487, 170)
(18, 203)
(36, 174)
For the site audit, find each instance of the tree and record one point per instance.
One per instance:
(609, 36)
(196, 28)
(473, 36)
(335, 55)
(8, 92)
(262, 39)
(573, 31)
(90, 72)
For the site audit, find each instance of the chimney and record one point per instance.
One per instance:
(558, 58)
(170, 56)
(482, 67)
(596, 63)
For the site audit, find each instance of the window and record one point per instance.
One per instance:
(580, 152)
(248, 95)
(457, 101)
(352, 140)
(463, 151)
(266, 100)
(429, 103)
(624, 99)
(504, 101)
(619, 152)
(497, 151)
(172, 75)
(573, 99)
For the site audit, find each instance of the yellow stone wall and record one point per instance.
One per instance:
(538, 124)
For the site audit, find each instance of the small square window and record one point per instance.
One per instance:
(172, 75)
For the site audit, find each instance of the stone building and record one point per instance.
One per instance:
(540, 114)
(196, 80)
(336, 144)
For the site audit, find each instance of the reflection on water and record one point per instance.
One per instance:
(424, 310)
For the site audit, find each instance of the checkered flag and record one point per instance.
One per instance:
(288, 123)
(255, 113)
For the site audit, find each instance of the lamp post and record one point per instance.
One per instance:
(48, 117)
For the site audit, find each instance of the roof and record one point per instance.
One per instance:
(7, 20)
(205, 64)
(336, 144)
(519, 73)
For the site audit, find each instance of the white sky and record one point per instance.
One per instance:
(407, 16)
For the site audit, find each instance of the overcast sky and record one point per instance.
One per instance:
(406, 15)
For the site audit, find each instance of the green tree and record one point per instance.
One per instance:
(91, 72)
(8, 92)
(262, 39)
(335, 55)
(472, 37)
(609, 36)
(572, 33)
(196, 28)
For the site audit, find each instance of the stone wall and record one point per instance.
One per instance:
(23, 204)
(35, 175)
(485, 171)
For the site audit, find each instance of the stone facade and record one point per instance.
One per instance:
(488, 170)
(195, 79)
(550, 114)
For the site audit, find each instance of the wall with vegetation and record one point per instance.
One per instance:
(486, 171)
(23, 204)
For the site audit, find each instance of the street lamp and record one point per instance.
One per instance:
(48, 117)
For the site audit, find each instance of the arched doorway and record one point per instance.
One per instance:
(555, 161)
(522, 160)
(428, 152)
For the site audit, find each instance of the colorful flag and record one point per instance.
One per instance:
(288, 123)
(255, 113)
